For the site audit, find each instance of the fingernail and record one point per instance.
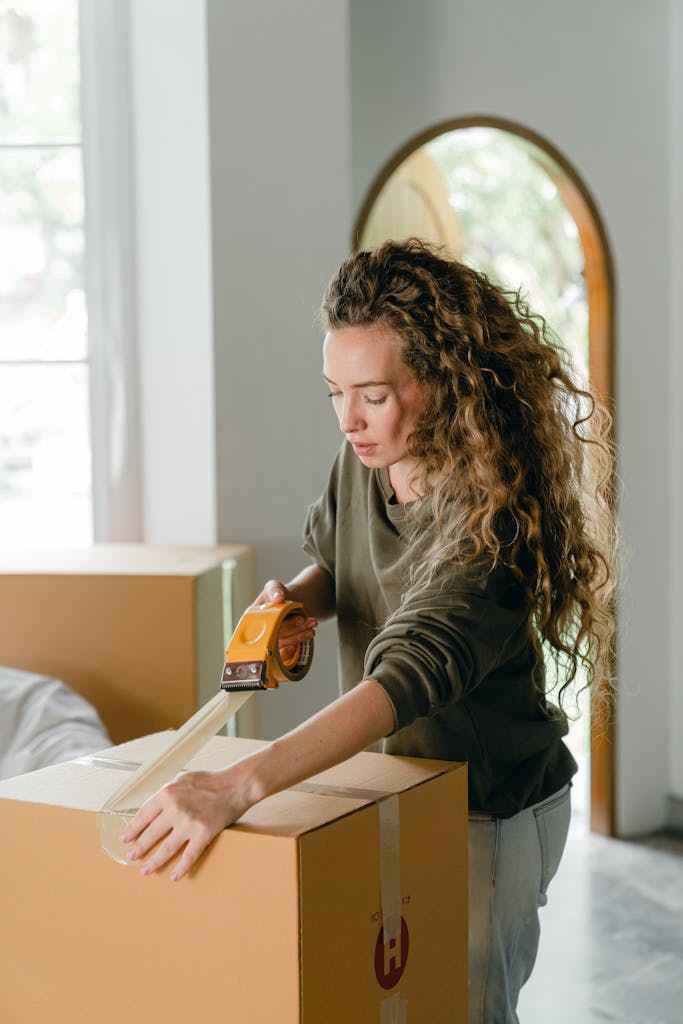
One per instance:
(146, 870)
(132, 855)
(175, 876)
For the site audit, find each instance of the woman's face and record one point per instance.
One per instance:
(376, 397)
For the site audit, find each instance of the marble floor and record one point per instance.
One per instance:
(611, 934)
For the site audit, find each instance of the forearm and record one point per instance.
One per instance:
(339, 731)
(314, 587)
(189, 812)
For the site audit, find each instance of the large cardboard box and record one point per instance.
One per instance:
(279, 922)
(137, 630)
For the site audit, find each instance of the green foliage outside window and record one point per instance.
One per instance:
(516, 227)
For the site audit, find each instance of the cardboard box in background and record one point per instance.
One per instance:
(279, 922)
(139, 631)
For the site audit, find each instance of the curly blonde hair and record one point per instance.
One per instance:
(513, 454)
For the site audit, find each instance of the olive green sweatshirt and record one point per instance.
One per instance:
(456, 661)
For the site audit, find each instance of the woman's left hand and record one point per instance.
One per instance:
(189, 813)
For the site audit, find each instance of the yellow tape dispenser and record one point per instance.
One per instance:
(253, 660)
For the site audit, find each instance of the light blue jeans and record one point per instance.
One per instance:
(511, 864)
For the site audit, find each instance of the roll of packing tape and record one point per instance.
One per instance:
(253, 659)
(253, 662)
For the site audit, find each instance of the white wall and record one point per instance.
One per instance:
(676, 385)
(174, 274)
(280, 172)
(594, 79)
(242, 176)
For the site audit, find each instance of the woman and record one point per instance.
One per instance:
(465, 531)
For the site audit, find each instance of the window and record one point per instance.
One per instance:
(45, 460)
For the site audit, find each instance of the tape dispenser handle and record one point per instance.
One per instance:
(253, 658)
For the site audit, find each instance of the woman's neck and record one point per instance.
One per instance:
(404, 480)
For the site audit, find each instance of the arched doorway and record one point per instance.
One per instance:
(410, 196)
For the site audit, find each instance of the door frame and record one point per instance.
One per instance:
(600, 290)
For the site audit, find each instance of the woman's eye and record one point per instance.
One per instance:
(366, 398)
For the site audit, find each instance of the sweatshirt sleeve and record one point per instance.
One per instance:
(440, 644)
(320, 527)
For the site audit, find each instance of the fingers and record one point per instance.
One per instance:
(195, 839)
(166, 850)
(191, 855)
(296, 628)
(146, 814)
(166, 837)
(274, 592)
(183, 816)
(149, 838)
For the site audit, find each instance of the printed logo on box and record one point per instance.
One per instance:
(390, 960)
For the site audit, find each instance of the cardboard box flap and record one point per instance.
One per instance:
(86, 783)
(385, 773)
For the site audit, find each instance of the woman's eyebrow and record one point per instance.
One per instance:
(364, 384)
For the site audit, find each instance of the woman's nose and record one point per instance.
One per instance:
(350, 418)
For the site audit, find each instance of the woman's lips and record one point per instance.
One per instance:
(364, 449)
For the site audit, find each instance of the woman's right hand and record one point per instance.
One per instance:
(295, 628)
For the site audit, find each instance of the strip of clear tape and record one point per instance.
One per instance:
(121, 807)
(390, 861)
(394, 1010)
